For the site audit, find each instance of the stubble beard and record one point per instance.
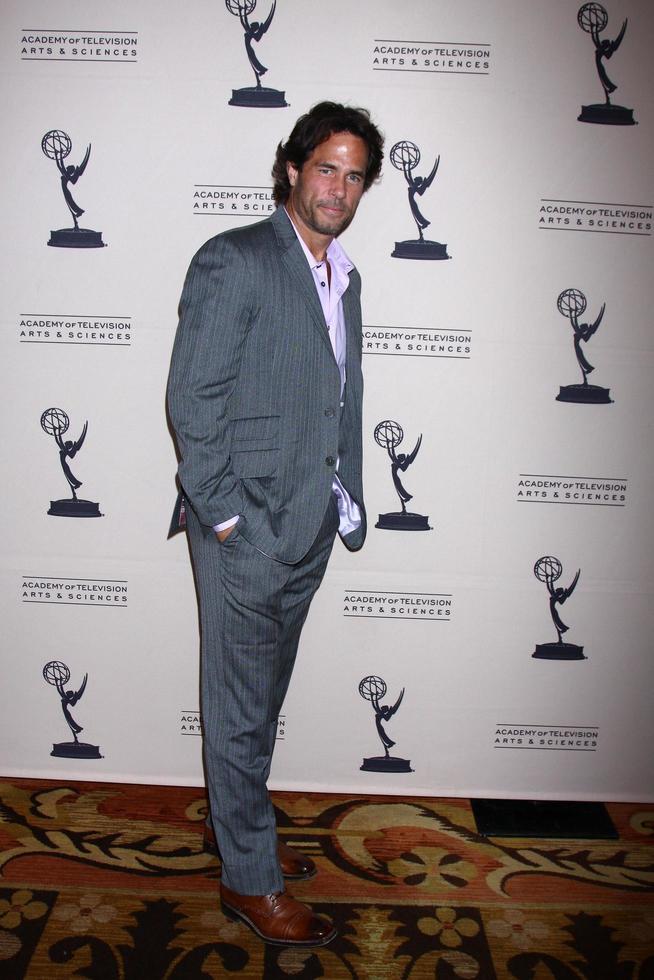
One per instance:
(320, 223)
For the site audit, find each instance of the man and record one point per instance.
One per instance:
(265, 398)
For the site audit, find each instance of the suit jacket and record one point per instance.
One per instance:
(254, 391)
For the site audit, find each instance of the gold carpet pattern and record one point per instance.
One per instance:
(110, 882)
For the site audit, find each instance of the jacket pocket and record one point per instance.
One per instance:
(255, 446)
(260, 432)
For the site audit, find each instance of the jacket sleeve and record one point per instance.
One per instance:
(215, 316)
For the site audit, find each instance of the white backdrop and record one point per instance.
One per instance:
(468, 352)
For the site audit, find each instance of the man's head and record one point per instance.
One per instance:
(314, 128)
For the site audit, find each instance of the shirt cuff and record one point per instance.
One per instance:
(225, 524)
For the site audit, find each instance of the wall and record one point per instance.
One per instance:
(468, 351)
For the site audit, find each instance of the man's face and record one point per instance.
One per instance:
(325, 194)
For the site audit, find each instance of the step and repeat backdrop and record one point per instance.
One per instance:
(494, 635)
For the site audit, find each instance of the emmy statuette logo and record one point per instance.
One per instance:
(389, 435)
(55, 423)
(549, 570)
(405, 156)
(593, 18)
(373, 688)
(58, 674)
(57, 146)
(254, 96)
(571, 304)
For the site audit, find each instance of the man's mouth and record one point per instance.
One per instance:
(334, 208)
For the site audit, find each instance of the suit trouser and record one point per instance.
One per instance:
(252, 609)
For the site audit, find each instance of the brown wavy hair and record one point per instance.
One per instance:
(316, 126)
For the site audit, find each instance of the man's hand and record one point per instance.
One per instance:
(223, 535)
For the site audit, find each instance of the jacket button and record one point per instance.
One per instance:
(330, 413)
(330, 460)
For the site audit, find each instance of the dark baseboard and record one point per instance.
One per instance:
(543, 818)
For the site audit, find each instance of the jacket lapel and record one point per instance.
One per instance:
(352, 314)
(296, 264)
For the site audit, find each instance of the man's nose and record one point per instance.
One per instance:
(339, 186)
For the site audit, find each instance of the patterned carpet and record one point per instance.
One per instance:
(109, 882)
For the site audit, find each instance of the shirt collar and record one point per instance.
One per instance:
(336, 254)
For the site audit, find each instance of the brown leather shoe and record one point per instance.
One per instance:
(295, 866)
(278, 919)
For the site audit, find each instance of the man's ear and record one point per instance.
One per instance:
(291, 172)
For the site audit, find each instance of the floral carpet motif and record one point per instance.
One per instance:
(110, 882)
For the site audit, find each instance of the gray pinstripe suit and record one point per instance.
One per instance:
(254, 398)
